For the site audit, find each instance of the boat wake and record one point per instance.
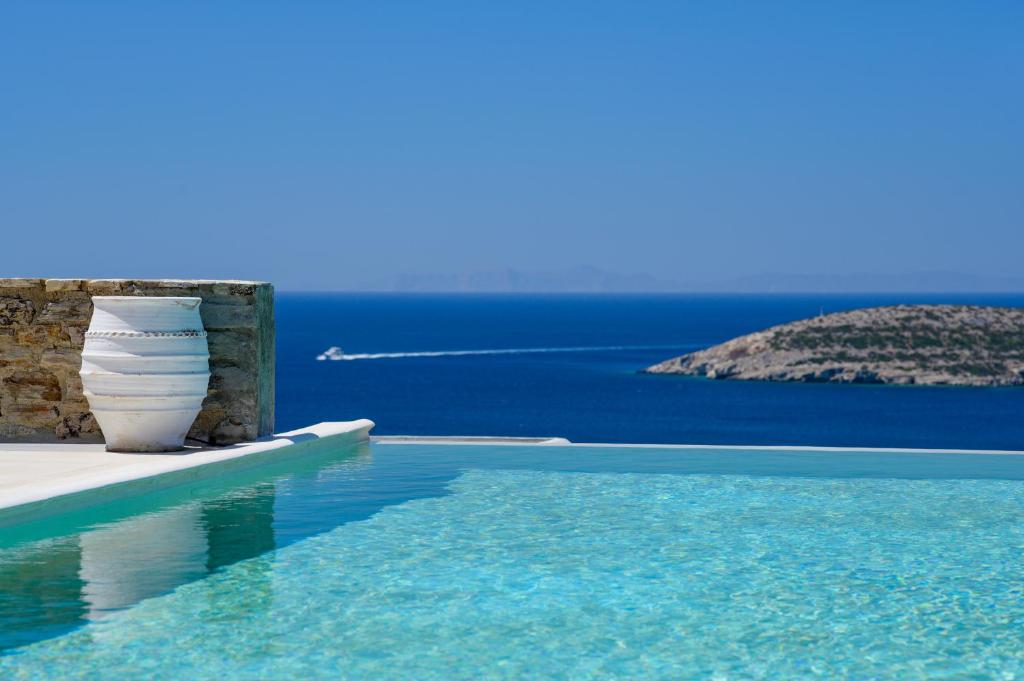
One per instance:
(335, 354)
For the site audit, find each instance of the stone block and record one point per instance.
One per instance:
(17, 356)
(73, 388)
(238, 403)
(73, 310)
(106, 287)
(66, 360)
(217, 317)
(39, 335)
(75, 335)
(33, 385)
(212, 414)
(233, 348)
(156, 284)
(232, 430)
(17, 432)
(16, 311)
(77, 425)
(232, 379)
(33, 414)
(21, 283)
(60, 285)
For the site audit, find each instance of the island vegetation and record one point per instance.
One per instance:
(902, 344)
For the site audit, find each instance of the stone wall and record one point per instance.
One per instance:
(42, 326)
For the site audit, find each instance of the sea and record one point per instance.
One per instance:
(566, 365)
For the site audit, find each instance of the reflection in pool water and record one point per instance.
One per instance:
(110, 558)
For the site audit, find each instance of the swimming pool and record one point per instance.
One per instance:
(453, 561)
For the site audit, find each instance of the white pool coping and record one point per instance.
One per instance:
(562, 442)
(467, 440)
(38, 480)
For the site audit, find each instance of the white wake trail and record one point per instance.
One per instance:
(335, 353)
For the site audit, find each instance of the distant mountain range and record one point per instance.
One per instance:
(595, 280)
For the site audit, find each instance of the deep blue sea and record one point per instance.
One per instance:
(596, 395)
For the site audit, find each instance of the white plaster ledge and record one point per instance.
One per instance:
(38, 480)
(466, 440)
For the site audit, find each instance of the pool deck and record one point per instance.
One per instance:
(43, 479)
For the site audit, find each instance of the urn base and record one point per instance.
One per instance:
(145, 430)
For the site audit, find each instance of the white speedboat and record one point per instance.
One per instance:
(332, 353)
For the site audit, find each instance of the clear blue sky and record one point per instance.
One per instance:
(325, 144)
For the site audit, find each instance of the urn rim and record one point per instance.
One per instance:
(177, 299)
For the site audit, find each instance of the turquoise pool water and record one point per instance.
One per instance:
(452, 562)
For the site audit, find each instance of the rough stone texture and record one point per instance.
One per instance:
(902, 344)
(42, 326)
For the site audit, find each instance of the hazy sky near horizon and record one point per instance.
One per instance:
(323, 145)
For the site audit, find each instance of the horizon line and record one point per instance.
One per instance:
(647, 293)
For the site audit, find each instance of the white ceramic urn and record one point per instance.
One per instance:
(145, 370)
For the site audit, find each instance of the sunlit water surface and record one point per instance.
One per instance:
(449, 562)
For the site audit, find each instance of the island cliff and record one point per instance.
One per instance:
(902, 344)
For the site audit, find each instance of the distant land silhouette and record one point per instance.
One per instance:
(596, 280)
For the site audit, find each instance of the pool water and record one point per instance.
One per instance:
(463, 562)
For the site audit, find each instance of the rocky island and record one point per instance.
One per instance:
(901, 344)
